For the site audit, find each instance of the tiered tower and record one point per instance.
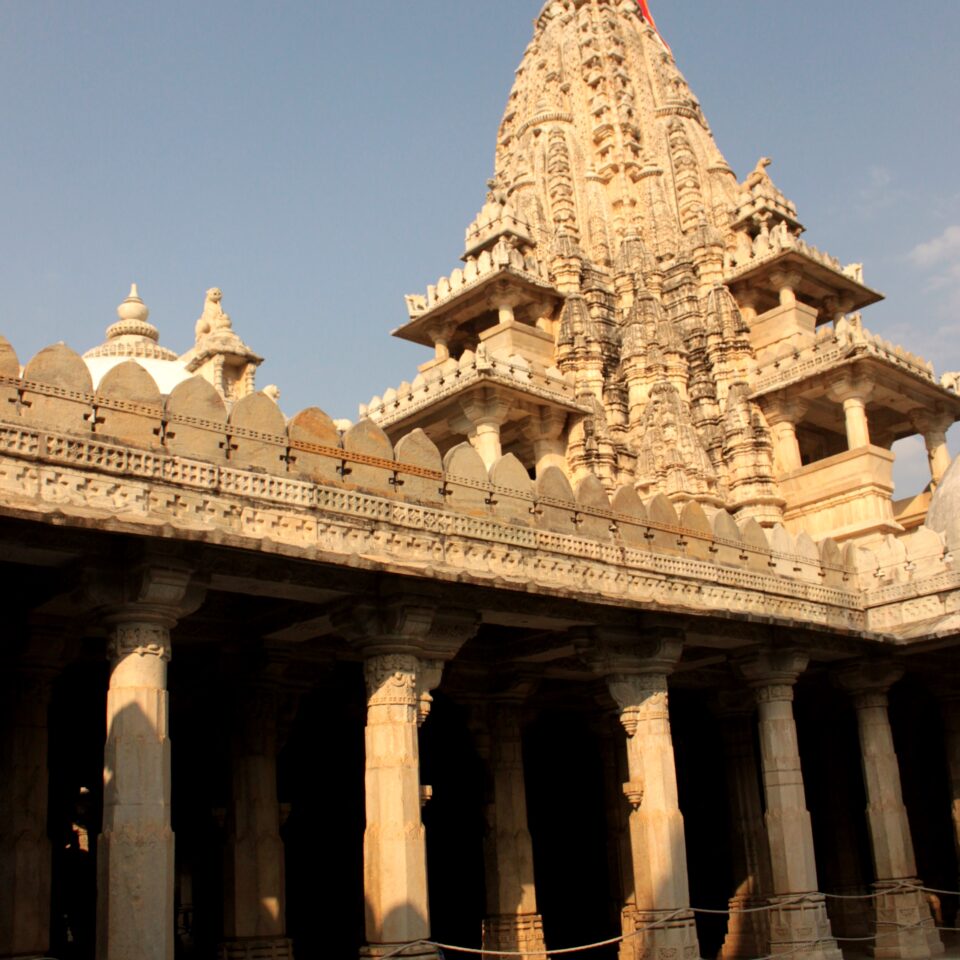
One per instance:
(630, 310)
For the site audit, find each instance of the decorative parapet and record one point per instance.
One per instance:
(503, 258)
(776, 242)
(453, 376)
(130, 459)
(834, 347)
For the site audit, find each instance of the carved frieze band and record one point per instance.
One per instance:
(547, 558)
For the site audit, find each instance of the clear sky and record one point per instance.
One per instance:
(318, 160)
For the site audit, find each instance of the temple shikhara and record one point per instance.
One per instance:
(397, 686)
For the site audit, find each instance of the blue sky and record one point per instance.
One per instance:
(318, 160)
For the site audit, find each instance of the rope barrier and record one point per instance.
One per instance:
(646, 928)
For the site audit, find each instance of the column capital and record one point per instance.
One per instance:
(622, 651)
(154, 591)
(772, 672)
(930, 422)
(867, 681)
(402, 680)
(405, 623)
(780, 409)
(850, 386)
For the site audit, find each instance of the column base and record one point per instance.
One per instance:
(515, 933)
(904, 926)
(748, 929)
(801, 928)
(256, 948)
(374, 951)
(674, 939)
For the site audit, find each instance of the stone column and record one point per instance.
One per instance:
(544, 429)
(636, 673)
(25, 853)
(405, 641)
(783, 417)
(785, 282)
(853, 393)
(903, 925)
(394, 842)
(254, 878)
(512, 922)
(483, 413)
(748, 929)
(135, 917)
(799, 925)
(950, 707)
(933, 427)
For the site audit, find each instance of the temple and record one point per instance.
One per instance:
(603, 627)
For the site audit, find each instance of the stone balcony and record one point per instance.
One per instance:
(846, 496)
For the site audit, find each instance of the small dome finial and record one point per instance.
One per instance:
(133, 314)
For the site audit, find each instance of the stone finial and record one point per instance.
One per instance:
(133, 314)
(132, 335)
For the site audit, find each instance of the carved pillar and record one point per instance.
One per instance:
(798, 926)
(748, 929)
(636, 673)
(394, 842)
(405, 643)
(512, 923)
(25, 853)
(950, 707)
(853, 393)
(135, 919)
(933, 428)
(254, 878)
(783, 417)
(483, 413)
(903, 924)
(545, 429)
(785, 282)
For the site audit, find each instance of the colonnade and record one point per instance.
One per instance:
(404, 643)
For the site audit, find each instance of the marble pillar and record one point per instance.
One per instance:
(394, 841)
(799, 924)
(950, 707)
(512, 922)
(25, 852)
(748, 928)
(638, 685)
(902, 921)
(135, 883)
(405, 639)
(254, 877)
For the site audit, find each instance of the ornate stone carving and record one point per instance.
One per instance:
(392, 679)
(142, 639)
(213, 319)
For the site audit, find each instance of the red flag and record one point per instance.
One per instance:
(645, 13)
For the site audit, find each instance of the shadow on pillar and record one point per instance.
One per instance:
(566, 809)
(76, 806)
(453, 818)
(321, 780)
(918, 740)
(698, 749)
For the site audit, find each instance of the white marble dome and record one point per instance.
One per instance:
(133, 337)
